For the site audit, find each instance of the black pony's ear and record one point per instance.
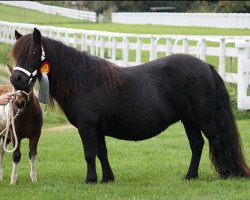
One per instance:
(36, 35)
(17, 35)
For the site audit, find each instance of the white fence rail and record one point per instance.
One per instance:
(219, 20)
(132, 49)
(55, 10)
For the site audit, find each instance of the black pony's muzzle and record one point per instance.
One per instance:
(21, 78)
(19, 81)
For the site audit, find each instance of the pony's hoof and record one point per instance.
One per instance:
(91, 180)
(13, 182)
(107, 180)
(191, 176)
(34, 180)
(224, 176)
(13, 179)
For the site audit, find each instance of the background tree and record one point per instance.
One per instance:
(105, 8)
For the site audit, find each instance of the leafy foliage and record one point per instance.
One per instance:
(144, 6)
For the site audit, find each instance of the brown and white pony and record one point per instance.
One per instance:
(28, 124)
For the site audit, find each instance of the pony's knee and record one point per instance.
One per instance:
(16, 157)
(90, 159)
(32, 153)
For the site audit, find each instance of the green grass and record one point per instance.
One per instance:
(150, 169)
(15, 14)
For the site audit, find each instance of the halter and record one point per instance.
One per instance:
(31, 75)
(21, 92)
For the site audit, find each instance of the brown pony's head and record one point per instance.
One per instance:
(27, 56)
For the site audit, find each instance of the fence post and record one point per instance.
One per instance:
(222, 57)
(243, 101)
(92, 46)
(138, 51)
(97, 45)
(125, 52)
(114, 45)
(185, 45)
(59, 36)
(203, 50)
(67, 39)
(102, 46)
(75, 41)
(83, 42)
(152, 50)
(168, 46)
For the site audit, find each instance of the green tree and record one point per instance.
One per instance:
(233, 6)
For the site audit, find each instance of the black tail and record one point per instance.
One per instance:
(230, 139)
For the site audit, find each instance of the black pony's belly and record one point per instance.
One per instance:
(132, 136)
(136, 130)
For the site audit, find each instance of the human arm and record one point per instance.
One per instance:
(5, 98)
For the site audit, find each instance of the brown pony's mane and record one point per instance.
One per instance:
(71, 70)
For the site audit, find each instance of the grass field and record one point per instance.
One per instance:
(150, 169)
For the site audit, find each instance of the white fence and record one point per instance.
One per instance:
(131, 49)
(219, 20)
(55, 10)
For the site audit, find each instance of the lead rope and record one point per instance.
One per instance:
(10, 121)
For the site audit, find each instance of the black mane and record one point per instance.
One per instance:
(67, 64)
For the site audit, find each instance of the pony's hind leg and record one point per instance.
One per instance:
(211, 131)
(196, 143)
(107, 174)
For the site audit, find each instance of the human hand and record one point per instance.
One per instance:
(6, 98)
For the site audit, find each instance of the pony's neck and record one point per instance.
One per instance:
(73, 71)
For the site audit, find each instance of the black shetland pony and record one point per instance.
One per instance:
(135, 103)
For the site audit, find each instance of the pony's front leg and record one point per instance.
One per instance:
(32, 157)
(89, 140)
(33, 169)
(16, 159)
(1, 158)
(2, 152)
(102, 154)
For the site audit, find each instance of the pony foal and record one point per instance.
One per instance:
(28, 124)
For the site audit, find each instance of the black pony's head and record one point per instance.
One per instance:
(27, 56)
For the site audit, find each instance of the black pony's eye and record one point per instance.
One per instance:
(34, 53)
